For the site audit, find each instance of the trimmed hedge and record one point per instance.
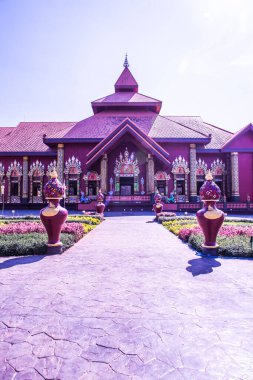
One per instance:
(30, 244)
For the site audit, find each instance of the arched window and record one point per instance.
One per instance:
(201, 170)
(36, 175)
(161, 182)
(92, 181)
(14, 174)
(218, 172)
(72, 173)
(180, 172)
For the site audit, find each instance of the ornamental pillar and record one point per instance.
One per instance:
(150, 180)
(60, 162)
(193, 182)
(104, 173)
(235, 177)
(25, 180)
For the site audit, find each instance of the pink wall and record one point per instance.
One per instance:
(243, 141)
(246, 176)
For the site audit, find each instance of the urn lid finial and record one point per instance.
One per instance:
(54, 174)
(209, 176)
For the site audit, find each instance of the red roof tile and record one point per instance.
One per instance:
(218, 135)
(104, 123)
(5, 131)
(126, 81)
(28, 136)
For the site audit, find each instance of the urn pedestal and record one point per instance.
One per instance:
(210, 218)
(53, 216)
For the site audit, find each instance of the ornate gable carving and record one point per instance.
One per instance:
(51, 168)
(73, 166)
(36, 169)
(126, 165)
(91, 176)
(14, 170)
(162, 176)
(180, 166)
(201, 167)
(218, 167)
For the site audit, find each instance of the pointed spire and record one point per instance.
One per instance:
(126, 64)
(126, 81)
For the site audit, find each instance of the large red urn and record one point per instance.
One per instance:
(100, 207)
(157, 206)
(53, 216)
(210, 218)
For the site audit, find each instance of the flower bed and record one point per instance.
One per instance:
(234, 236)
(75, 229)
(28, 236)
(30, 244)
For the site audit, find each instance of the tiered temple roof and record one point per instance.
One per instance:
(109, 113)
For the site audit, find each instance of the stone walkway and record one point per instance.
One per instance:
(129, 301)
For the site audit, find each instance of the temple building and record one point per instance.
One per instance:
(129, 150)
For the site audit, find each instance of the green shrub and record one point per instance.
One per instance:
(228, 246)
(29, 244)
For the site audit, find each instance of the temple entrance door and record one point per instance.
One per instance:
(127, 186)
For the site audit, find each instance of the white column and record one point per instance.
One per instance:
(60, 162)
(25, 180)
(193, 183)
(150, 180)
(235, 176)
(104, 173)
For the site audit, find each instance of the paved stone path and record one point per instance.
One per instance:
(129, 301)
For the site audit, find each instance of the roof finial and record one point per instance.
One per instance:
(126, 64)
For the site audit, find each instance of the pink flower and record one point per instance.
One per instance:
(75, 229)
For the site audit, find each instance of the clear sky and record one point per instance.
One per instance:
(56, 56)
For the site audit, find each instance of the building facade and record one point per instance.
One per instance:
(129, 150)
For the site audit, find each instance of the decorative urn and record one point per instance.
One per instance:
(157, 206)
(210, 218)
(53, 216)
(100, 207)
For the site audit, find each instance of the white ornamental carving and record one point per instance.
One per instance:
(73, 164)
(161, 175)
(218, 167)
(179, 165)
(126, 165)
(51, 168)
(14, 169)
(1, 169)
(36, 169)
(201, 166)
